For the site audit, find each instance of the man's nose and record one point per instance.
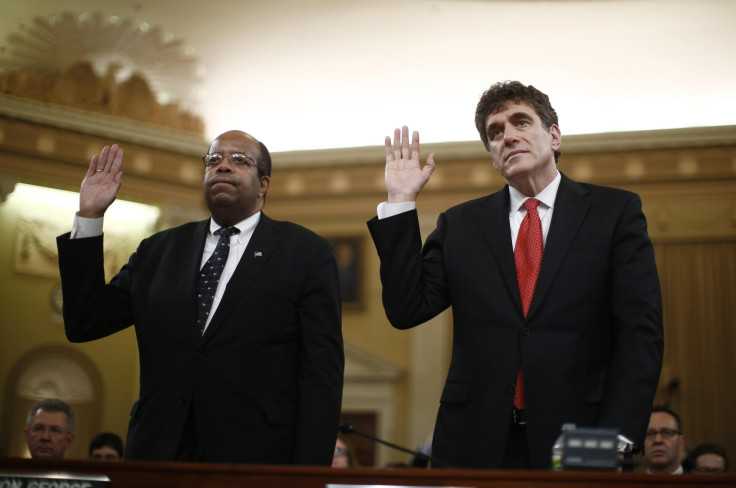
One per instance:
(510, 134)
(224, 166)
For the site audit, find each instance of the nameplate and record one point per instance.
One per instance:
(52, 480)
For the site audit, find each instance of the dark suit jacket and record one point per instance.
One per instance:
(265, 380)
(591, 345)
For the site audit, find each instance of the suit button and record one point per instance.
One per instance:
(510, 388)
(198, 355)
(182, 402)
(525, 331)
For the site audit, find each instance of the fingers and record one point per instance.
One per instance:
(399, 148)
(405, 142)
(397, 144)
(93, 165)
(414, 145)
(108, 162)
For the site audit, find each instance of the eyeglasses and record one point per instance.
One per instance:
(704, 470)
(236, 159)
(339, 451)
(54, 432)
(666, 434)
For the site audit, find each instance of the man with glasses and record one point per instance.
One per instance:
(238, 318)
(663, 442)
(50, 428)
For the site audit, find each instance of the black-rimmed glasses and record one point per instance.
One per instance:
(666, 434)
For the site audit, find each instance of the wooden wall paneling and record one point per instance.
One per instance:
(699, 292)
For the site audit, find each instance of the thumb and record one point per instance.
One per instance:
(429, 166)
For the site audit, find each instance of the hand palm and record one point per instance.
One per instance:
(405, 176)
(101, 183)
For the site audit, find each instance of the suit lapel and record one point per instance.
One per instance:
(493, 220)
(571, 205)
(190, 258)
(261, 248)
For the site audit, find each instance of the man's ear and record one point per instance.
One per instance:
(554, 131)
(265, 182)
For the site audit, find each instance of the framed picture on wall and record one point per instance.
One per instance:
(349, 254)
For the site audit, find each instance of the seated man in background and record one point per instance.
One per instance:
(663, 442)
(708, 459)
(106, 447)
(50, 428)
(344, 456)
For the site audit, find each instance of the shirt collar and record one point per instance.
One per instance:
(546, 196)
(244, 226)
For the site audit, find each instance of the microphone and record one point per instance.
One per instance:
(348, 428)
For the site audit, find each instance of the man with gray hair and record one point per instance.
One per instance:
(50, 428)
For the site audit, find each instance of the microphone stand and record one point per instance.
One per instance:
(348, 428)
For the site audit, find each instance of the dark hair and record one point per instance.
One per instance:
(54, 405)
(499, 94)
(662, 408)
(107, 439)
(708, 448)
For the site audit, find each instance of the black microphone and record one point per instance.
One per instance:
(348, 428)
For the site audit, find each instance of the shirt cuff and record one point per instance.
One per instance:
(386, 210)
(84, 227)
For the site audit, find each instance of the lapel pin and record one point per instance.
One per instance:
(258, 254)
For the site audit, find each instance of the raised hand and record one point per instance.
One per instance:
(405, 176)
(101, 183)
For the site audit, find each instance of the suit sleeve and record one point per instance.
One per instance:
(91, 309)
(414, 286)
(636, 304)
(321, 358)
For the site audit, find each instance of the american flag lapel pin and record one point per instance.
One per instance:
(258, 254)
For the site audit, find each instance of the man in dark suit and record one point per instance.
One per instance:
(576, 338)
(255, 379)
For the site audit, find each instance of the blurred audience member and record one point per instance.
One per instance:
(344, 456)
(106, 447)
(708, 459)
(663, 442)
(50, 428)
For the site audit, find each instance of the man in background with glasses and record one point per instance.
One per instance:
(664, 442)
(50, 428)
(237, 317)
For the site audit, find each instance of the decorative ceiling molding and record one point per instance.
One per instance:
(108, 65)
(101, 125)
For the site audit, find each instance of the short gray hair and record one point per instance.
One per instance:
(54, 405)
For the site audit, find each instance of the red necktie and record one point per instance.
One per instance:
(528, 258)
